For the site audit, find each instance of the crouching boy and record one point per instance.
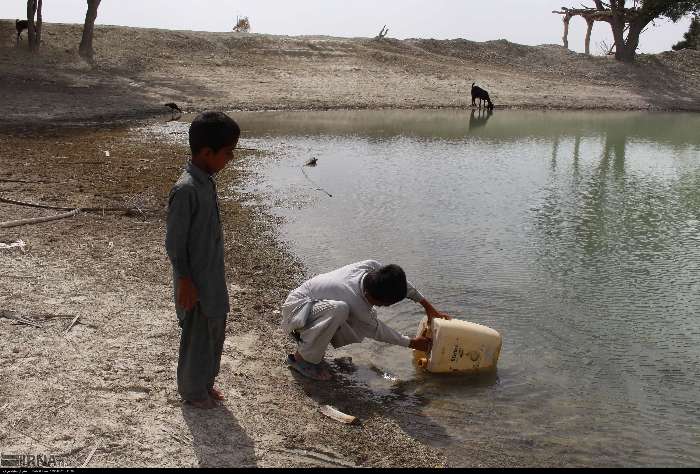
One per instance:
(339, 308)
(195, 246)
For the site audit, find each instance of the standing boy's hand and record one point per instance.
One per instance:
(186, 293)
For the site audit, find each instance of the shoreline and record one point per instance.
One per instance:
(122, 122)
(109, 382)
(251, 72)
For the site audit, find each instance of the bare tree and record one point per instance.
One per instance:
(85, 50)
(242, 24)
(34, 27)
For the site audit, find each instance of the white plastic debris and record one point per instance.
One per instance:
(337, 415)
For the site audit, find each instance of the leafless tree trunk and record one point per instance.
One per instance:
(617, 24)
(31, 29)
(629, 49)
(589, 29)
(38, 25)
(85, 50)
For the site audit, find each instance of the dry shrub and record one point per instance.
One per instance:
(242, 25)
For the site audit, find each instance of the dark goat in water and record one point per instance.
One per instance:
(20, 26)
(481, 94)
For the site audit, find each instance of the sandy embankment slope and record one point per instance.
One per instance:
(139, 69)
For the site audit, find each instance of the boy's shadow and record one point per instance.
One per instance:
(218, 439)
(352, 396)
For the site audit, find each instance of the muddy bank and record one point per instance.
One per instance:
(139, 69)
(108, 384)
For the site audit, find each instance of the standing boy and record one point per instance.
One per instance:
(338, 308)
(195, 246)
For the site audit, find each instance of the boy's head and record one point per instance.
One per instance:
(213, 136)
(386, 285)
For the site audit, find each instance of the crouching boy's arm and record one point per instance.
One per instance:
(430, 311)
(389, 335)
(181, 205)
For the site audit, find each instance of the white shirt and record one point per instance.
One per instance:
(346, 284)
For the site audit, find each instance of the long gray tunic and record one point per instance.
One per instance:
(344, 284)
(194, 240)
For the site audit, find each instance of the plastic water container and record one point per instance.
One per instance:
(458, 346)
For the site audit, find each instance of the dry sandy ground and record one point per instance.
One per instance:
(110, 381)
(107, 386)
(139, 69)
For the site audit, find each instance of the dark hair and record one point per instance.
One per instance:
(214, 130)
(386, 284)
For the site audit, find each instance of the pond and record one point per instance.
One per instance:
(574, 234)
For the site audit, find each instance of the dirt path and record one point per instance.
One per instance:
(109, 382)
(140, 69)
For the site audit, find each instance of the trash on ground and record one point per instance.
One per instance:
(337, 415)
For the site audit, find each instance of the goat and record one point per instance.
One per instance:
(20, 26)
(481, 94)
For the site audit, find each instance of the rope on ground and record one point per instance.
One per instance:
(318, 188)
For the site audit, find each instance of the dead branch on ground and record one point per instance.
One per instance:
(72, 211)
(16, 317)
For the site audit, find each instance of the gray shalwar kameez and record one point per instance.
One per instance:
(195, 246)
(332, 308)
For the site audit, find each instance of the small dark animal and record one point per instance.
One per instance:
(312, 162)
(174, 108)
(482, 95)
(20, 26)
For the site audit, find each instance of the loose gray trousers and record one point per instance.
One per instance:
(201, 345)
(327, 318)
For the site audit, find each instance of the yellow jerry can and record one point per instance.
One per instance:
(458, 346)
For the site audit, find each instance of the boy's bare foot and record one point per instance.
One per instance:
(216, 394)
(206, 404)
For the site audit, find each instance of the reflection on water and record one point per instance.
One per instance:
(573, 234)
(479, 119)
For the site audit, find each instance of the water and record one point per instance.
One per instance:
(575, 235)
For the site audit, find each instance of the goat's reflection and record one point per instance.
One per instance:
(479, 118)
